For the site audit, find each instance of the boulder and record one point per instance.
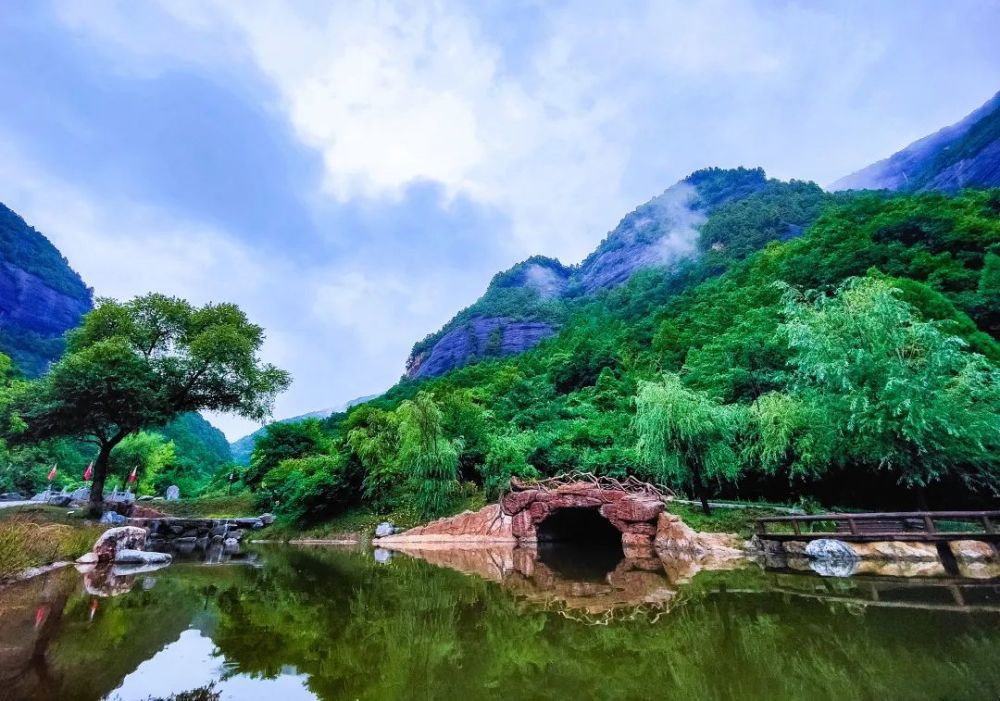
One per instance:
(516, 502)
(969, 551)
(829, 549)
(895, 550)
(140, 557)
(173, 493)
(113, 518)
(114, 540)
(489, 524)
(266, 519)
(383, 529)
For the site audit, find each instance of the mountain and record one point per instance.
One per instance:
(965, 154)
(242, 448)
(530, 302)
(41, 296)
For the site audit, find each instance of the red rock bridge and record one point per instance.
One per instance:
(580, 507)
(575, 507)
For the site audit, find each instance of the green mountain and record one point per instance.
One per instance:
(965, 154)
(41, 296)
(529, 302)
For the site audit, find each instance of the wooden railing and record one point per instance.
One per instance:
(899, 525)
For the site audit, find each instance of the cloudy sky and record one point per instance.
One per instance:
(352, 174)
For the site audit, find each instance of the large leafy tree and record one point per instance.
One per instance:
(875, 385)
(686, 436)
(141, 363)
(431, 457)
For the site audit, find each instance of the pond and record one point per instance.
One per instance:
(317, 623)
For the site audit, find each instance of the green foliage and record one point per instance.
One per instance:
(283, 441)
(685, 436)
(310, 488)
(507, 458)
(875, 386)
(738, 403)
(142, 363)
(149, 455)
(431, 458)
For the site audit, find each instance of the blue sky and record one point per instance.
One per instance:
(354, 173)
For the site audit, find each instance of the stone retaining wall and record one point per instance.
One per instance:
(178, 531)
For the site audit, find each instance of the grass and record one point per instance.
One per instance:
(36, 536)
(739, 521)
(361, 521)
(207, 507)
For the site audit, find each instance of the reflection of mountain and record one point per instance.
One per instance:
(340, 625)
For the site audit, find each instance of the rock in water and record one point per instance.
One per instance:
(114, 540)
(383, 529)
(141, 557)
(832, 558)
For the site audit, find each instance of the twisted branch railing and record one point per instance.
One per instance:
(630, 484)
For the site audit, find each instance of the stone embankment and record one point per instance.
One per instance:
(167, 530)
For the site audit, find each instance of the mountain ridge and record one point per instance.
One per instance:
(963, 154)
(41, 296)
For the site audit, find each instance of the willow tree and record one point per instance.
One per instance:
(686, 436)
(876, 386)
(139, 364)
(432, 458)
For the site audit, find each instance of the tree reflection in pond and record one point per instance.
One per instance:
(337, 625)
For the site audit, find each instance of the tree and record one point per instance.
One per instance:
(139, 364)
(685, 435)
(875, 385)
(147, 453)
(284, 441)
(431, 457)
(373, 438)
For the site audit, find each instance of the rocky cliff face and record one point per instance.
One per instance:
(965, 154)
(480, 337)
(527, 303)
(41, 297)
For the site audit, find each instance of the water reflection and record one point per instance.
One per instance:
(484, 624)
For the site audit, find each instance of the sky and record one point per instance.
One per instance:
(352, 174)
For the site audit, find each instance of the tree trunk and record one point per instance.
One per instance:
(702, 491)
(100, 474)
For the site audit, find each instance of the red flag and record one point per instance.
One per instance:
(52, 473)
(131, 478)
(88, 473)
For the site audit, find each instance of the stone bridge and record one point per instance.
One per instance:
(576, 508)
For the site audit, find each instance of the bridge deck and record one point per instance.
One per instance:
(912, 526)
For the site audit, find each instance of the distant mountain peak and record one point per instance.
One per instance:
(964, 154)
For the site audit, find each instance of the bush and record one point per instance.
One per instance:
(27, 543)
(311, 488)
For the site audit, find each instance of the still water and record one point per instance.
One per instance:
(290, 624)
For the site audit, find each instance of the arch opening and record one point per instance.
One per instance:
(579, 544)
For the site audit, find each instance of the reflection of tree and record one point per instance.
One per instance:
(409, 630)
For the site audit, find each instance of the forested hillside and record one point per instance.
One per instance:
(965, 154)
(41, 296)
(529, 302)
(839, 348)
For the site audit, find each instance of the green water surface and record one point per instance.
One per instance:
(325, 624)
